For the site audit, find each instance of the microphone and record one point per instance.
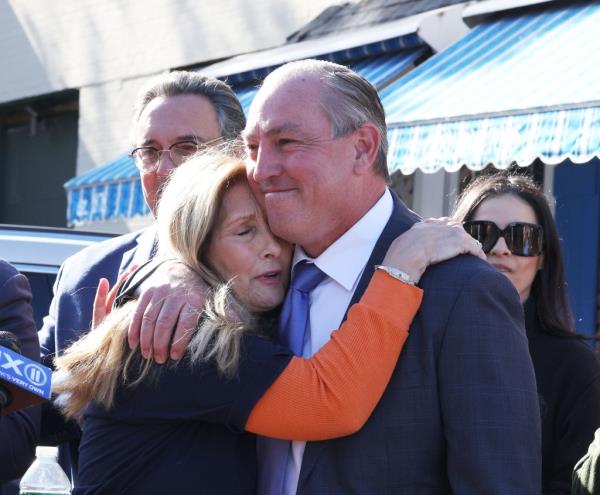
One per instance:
(23, 382)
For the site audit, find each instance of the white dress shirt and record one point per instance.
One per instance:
(343, 262)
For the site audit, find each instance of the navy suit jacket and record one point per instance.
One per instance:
(19, 430)
(71, 315)
(460, 414)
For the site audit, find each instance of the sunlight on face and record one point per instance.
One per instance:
(243, 248)
(502, 210)
(296, 167)
(168, 120)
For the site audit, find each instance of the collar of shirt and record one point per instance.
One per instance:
(345, 260)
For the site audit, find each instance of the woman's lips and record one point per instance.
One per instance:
(501, 268)
(272, 277)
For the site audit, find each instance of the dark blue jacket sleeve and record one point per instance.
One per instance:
(182, 392)
(19, 430)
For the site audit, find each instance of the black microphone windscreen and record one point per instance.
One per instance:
(10, 341)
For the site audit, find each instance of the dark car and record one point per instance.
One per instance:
(38, 253)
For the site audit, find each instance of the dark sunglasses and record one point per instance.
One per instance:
(522, 239)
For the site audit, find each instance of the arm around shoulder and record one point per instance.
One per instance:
(333, 393)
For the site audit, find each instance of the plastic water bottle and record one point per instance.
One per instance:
(45, 476)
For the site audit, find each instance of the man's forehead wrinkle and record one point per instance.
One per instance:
(278, 129)
(183, 137)
(262, 119)
(269, 128)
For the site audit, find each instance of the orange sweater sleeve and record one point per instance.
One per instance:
(333, 393)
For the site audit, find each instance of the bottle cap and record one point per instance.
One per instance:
(46, 452)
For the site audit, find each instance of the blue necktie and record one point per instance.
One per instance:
(293, 324)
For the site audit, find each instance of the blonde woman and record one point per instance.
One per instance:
(187, 427)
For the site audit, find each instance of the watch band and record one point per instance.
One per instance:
(397, 274)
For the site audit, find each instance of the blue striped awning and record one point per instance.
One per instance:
(516, 88)
(382, 69)
(107, 192)
(400, 43)
(379, 70)
(246, 94)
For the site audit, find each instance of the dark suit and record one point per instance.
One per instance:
(460, 414)
(19, 430)
(71, 315)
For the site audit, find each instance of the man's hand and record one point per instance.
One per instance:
(429, 242)
(169, 304)
(105, 296)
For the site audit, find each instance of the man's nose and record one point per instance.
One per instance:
(266, 164)
(165, 165)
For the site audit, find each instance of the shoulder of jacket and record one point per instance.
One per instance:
(102, 250)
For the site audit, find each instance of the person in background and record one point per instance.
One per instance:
(460, 414)
(177, 428)
(510, 216)
(175, 115)
(19, 430)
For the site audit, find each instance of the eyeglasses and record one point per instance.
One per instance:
(147, 157)
(522, 239)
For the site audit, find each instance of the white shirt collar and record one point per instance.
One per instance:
(345, 259)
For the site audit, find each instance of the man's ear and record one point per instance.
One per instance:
(366, 144)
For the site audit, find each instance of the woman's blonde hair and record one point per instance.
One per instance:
(93, 367)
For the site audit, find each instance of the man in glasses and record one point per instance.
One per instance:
(175, 115)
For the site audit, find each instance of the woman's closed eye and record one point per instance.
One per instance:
(246, 230)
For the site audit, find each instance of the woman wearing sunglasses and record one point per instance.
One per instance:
(510, 216)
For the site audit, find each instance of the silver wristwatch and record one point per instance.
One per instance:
(397, 274)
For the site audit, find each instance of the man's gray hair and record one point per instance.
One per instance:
(349, 101)
(230, 115)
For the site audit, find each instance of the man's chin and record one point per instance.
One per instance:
(287, 229)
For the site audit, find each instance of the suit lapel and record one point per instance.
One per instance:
(401, 220)
(144, 249)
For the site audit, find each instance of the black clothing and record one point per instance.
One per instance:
(568, 380)
(181, 431)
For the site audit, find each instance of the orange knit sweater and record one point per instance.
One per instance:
(333, 393)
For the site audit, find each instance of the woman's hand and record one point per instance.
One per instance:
(429, 242)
